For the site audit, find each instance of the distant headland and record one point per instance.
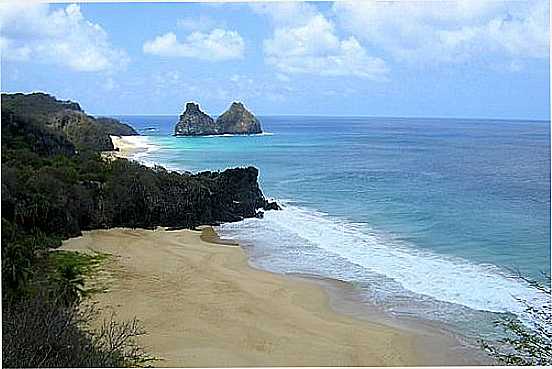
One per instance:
(236, 120)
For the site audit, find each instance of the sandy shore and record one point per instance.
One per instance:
(203, 305)
(126, 145)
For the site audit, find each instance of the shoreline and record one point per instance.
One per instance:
(202, 304)
(453, 349)
(342, 301)
(125, 148)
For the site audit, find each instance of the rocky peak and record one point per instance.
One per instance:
(238, 120)
(236, 105)
(194, 122)
(192, 107)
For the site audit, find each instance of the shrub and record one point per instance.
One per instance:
(45, 331)
(526, 344)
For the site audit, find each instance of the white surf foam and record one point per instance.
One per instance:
(145, 148)
(141, 142)
(453, 280)
(241, 135)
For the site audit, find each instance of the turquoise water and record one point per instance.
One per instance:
(427, 217)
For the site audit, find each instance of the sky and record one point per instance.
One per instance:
(466, 59)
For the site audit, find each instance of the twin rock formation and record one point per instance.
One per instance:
(236, 120)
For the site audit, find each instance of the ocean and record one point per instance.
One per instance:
(425, 218)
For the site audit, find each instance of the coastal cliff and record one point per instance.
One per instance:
(236, 120)
(41, 160)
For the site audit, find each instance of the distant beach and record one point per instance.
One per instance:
(127, 147)
(203, 305)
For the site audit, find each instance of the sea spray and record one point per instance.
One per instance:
(400, 269)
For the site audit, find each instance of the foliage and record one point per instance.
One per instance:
(526, 343)
(65, 118)
(84, 264)
(24, 133)
(38, 104)
(44, 331)
(55, 184)
(68, 269)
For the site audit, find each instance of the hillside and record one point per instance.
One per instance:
(84, 131)
(52, 189)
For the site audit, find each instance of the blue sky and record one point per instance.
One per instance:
(433, 59)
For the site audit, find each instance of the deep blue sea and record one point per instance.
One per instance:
(426, 218)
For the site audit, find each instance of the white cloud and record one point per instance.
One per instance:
(304, 41)
(30, 31)
(217, 45)
(449, 32)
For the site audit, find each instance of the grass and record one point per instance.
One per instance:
(86, 265)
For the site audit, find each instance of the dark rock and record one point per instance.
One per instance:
(238, 120)
(194, 122)
(272, 205)
(236, 192)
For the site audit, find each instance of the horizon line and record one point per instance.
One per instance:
(347, 116)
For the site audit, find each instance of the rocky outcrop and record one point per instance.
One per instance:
(236, 120)
(194, 122)
(119, 193)
(235, 194)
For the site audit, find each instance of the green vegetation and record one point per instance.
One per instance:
(84, 264)
(73, 267)
(84, 131)
(43, 323)
(526, 344)
(55, 184)
(37, 104)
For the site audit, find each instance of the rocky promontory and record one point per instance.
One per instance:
(236, 120)
(87, 192)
